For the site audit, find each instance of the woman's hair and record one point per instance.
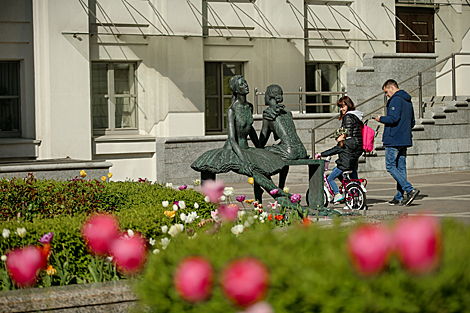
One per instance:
(345, 100)
(233, 82)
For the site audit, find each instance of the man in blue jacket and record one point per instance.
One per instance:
(396, 139)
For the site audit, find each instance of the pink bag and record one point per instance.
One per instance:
(368, 136)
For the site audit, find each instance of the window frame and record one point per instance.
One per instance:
(14, 133)
(111, 97)
(318, 85)
(220, 95)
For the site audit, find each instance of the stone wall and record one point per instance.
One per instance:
(58, 169)
(115, 297)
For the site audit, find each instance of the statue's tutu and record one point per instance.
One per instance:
(224, 160)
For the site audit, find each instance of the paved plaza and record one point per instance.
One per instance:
(445, 194)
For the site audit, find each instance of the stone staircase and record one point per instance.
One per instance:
(441, 141)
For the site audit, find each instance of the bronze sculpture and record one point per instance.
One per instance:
(279, 122)
(257, 162)
(236, 155)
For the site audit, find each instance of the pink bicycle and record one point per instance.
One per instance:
(353, 190)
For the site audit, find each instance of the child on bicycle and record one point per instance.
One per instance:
(347, 158)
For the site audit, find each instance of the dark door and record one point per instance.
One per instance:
(421, 22)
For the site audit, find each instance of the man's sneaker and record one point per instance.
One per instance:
(395, 202)
(410, 196)
(338, 197)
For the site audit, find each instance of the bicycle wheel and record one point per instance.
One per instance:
(355, 197)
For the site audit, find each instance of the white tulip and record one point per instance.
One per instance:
(237, 229)
(165, 242)
(21, 232)
(6, 233)
(130, 233)
(196, 206)
(165, 204)
(4, 258)
(181, 204)
(228, 191)
(164, 229)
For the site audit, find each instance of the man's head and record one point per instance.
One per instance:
(274, 92)
(390, 87)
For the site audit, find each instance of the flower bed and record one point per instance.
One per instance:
(202, 253)
(31, 208)
(310, 271)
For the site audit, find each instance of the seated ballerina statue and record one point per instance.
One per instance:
(279, 122)
(236, 155)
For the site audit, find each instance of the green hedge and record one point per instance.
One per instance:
(31, 198)
(310, 272)
(138, 206)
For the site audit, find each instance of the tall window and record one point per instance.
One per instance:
(10, 99)
(218, 94)
(322, 77)
(114, 98)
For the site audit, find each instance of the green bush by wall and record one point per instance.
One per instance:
(138, 207)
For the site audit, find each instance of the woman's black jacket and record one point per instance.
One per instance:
(347, 155)
(352, 123)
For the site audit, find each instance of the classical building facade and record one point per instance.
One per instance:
(108, 80)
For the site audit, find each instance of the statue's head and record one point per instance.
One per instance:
(274, 92)
(239, 85)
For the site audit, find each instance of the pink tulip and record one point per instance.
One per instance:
(24, 265)
(193, 279)
(213, 189)
(418, 243)
(245, 281)
(129, 254)
(370, 248)
(99, 231)
(240, 198)
(228, 213)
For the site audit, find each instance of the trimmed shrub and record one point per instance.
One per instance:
(310, 271)
(137, 205)
(31, 198)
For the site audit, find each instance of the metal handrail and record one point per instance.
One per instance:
(420, 95)
(300, 93)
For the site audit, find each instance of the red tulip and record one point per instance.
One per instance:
(245, 281)
(418, 243)
(129, 254)
(45, 253)
(370, 248)
(99, 231)
(213, 189)
(193, 279)
(229, 212)
(24, 265)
